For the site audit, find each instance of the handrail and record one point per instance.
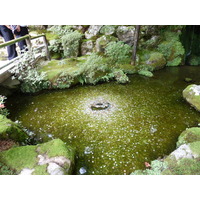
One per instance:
(28, 38)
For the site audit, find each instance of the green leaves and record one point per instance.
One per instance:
(118, 52)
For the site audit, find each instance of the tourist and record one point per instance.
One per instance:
(7, 35)
(19, 31)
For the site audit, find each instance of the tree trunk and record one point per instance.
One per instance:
(136, 38)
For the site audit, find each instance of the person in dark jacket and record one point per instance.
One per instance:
(19, 31)
(7, 35)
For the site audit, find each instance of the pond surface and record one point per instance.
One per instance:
(142, 122)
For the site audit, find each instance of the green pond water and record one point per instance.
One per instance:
(142, 122)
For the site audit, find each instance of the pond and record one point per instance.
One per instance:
(136, 123)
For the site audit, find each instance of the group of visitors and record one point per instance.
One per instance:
(9, 32)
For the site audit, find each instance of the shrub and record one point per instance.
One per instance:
(92, 69)
(70, 43)
(118, 52)
(25, 70)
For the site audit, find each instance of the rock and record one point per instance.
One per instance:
(108, 30)
(156, 60)
(53, 158)
(188, 136)
(11, 130)
(26, 171)
(92, 31)
(183, 151)
(103, 41)
(82, 170)
(192, 95)
(126, 34)
(55, 169)
(145, 73)
(87, 47)
(188, 80)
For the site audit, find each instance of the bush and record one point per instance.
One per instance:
(118, 52)
(70, 43)
(92, 69)
(26, 71)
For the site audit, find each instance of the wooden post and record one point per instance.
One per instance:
(46, 48)
(28, 42)
(136, 38)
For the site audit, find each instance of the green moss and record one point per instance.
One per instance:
(20, 157)
(185, 166)
(11, 130)
(188, 136)
(190, 96)
(40, 170)
(55, 148)
(145, 73)
(173, 52)
(195, 147)
(54, 68)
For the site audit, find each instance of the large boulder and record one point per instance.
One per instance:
(11, 130)
(188, 136)
(51, 158)
(154, 60)
(126, 34)
(192, 95)
(87, 47)
(92, 31)
(108, 30)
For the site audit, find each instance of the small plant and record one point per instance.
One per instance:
(118, 52)
(3, 109)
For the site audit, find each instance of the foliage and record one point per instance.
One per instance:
(60, 29)
(120, 76)
(91, 69)
(67, 43)
(5, 170)
(157, 167)
(70, 43)
(118, 52)
(56, 46)
(173, 52)
(26, 71)
(3, 109)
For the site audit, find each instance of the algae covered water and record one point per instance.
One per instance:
(142, 122)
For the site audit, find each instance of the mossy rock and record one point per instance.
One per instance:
(36, 159)
(11, 130)
(102, 42)
(185, 166)
(189, 135)
(152, 59)
(192, 95)
(145, 73)
(108, 29)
